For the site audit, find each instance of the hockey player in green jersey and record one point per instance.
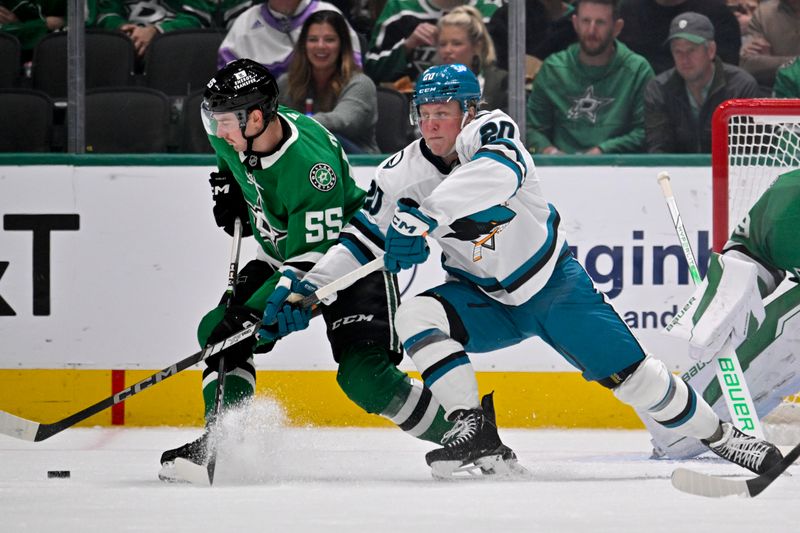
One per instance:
(727, 312)
(287, 178)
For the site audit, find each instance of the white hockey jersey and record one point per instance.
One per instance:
(496, 230)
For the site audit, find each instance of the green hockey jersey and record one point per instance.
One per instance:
(387, 60)
(300, 196)
(770, 232)
(166, 15)
(576, 107)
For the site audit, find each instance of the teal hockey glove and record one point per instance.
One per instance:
(282, 309)
(405, 244)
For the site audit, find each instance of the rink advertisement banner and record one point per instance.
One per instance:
(113, 267)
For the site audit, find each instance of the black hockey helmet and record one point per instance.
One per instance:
(240, 87)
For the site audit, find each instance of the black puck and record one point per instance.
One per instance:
(58, 474)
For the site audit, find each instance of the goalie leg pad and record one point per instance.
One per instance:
(370, 379)
(424, 328)
(667, 399)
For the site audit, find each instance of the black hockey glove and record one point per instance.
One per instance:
(237, 317)
(229, 202)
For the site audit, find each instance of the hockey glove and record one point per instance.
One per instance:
(281, 310)
(236, 318)
(229, 203)
(722, 309)
(405, 244)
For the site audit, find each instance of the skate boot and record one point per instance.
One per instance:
(195, 451)
(473, 447)
(752, 453)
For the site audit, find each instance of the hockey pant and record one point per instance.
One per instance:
(363, 341)
(441, 325)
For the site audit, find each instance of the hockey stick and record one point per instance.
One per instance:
(24, 429)
(712, 486)
(21, 428)
(729, 371)
(203, 475)
(342, 283)
(233, 270)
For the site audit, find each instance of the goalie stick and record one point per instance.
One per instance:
(729, 371)
(713, 486)
(22, 428)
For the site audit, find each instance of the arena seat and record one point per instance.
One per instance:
(126, 120)
(109, 61)
(28, 120)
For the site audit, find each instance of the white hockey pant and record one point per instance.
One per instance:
(446, 369)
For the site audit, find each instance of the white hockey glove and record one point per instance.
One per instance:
(721, 310)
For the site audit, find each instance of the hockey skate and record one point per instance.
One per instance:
(752, 453)
(473, 448)
(195, 451)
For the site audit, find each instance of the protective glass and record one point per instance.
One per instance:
(218, 123)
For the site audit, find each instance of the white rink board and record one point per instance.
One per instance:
(127, 289)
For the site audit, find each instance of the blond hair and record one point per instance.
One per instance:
(469, 19)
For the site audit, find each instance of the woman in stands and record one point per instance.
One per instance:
(324, 82)
(463, 38)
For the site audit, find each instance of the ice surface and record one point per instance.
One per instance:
(276, 478)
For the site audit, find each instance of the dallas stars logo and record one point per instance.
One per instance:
(587, 105)
(322, 177)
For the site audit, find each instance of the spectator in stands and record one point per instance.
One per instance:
(141, 20)
(589, 97)
(267, 32)
(775, 40)
(224, 12)
(548, 29)
(647, 25)
(30, 20)
(324, 82)
(463, 38)
(743, 11)
(403, 41)
(680, 101)
(787, 80)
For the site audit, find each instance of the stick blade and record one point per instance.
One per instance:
(193, 473)
(17, 427)
(700, 484)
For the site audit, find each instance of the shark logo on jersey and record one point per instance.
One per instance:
(481, 228)
(587, 105)
(322, 177)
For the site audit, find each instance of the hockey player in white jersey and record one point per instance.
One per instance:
(470, 184)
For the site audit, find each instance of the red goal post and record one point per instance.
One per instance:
(753, 141)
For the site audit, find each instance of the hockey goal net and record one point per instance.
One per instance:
(753, 142)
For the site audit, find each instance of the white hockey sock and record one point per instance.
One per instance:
(668, 400)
